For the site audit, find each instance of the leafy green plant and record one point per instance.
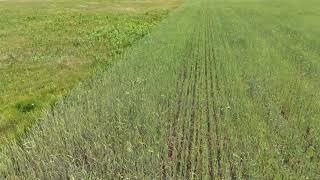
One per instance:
(26, 106)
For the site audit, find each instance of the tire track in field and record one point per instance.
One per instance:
(195, 139)
(182, 85)
(194, 111)
(191, 111)
(222, 142)
(181, 144)
(208, 97)
(197, 169)
(189, 121)
(215, 88)
(176, 143)
(212, 101)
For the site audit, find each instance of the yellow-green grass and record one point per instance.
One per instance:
(46, 47)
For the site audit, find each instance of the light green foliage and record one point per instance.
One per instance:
(46, 48)
(223, 89)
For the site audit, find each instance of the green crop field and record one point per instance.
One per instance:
(47, 47)
(220, 89)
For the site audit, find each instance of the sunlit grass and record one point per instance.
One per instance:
(224, 89)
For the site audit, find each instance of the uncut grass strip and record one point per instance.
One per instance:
(287, 30)
(271, 127)
(229, 157)
(299, 57)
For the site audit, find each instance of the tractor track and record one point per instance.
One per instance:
(191, 110)
(222, 142)
(215, 88)
(176, 143)
(180, 93)
(194, 145)
(181, 141)
(177, 113)
(194, 112)
(209, 126)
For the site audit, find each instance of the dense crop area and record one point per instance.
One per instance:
(47, 47)
(220, 90)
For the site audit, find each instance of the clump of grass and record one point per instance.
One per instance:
(26, 106)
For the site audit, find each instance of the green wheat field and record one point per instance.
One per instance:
(160, 89)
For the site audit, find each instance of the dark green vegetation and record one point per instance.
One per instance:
(224, 89)
(46, 47)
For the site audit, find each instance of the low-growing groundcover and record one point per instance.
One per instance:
(47, 47)
(221, 89)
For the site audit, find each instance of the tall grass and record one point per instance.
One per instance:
(220, 89)
(115, 126)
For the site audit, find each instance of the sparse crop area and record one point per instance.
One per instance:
(47, 47)
(221, 89)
